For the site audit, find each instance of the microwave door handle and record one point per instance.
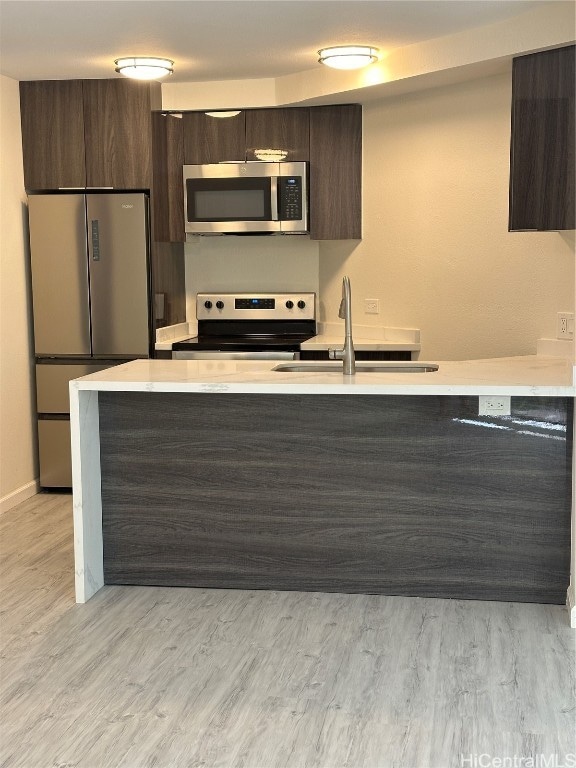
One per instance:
(274, 197)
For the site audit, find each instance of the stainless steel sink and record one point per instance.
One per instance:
(392, 366)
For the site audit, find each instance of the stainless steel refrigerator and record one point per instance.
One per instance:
(91, 302)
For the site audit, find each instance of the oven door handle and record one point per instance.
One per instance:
(271, 355)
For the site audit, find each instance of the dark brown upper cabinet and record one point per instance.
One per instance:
(52, 116)
(118, 131)
(336, 172)
(210, 139)
(286, 129)
(167, 188)
(87, 133)
(542, 162)
(330, 138)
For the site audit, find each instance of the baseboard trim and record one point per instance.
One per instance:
(19, 495)
(571, 605)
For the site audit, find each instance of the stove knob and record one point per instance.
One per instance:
(208, 304)
(219, 305)
(301, 304)
(289, 304)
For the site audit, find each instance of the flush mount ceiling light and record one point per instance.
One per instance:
(144, 67)
(271, 155)
(348, 56)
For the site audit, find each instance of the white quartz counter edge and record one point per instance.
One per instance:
(323, 342)
(529, 375)
(166, 346)
(330, 335)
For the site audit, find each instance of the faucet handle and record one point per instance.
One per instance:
(335, 354)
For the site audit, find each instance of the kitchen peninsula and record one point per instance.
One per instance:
(230, 474)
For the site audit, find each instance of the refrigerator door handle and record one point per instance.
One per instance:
(95, 237)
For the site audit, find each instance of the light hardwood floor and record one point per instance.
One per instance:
(144, 677)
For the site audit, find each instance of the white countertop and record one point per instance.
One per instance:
(366, 338)
(528, 375)
(326, 341)
(169, 335)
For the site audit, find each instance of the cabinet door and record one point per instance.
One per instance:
(167, 256)
(542, 158)
(336, 172)
(52, 134)
(213, 139)
(167, 186)
(285, 129)
(169, 282)
(117, 119)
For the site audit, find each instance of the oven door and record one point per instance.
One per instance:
(272, 354)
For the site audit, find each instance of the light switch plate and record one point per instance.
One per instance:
(494, 405)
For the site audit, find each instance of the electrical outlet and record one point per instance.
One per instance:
(372, 306)
(494, 405)
(565, 325)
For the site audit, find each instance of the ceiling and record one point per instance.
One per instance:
(220, 39)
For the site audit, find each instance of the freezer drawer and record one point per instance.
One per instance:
(54, 450)
(52, 384)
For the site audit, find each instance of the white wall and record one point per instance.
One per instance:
(18, 471)
(260, 263)
(436, 250)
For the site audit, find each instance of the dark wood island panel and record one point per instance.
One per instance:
(405, 495)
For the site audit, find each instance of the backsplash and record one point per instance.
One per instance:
(240, 263)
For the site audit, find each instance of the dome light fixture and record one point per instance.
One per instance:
(348, 56)
(223, 113)
(144, 67)
(271, 155)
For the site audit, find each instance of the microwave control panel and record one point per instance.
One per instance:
(290, 197)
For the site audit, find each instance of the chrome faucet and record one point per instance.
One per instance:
(345, 312)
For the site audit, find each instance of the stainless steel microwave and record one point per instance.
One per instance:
(240, 198)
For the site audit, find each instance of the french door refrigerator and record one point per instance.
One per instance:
(91, 302)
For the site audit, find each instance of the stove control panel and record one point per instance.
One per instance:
(256, 306)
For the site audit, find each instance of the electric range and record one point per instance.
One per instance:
(250, 326)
